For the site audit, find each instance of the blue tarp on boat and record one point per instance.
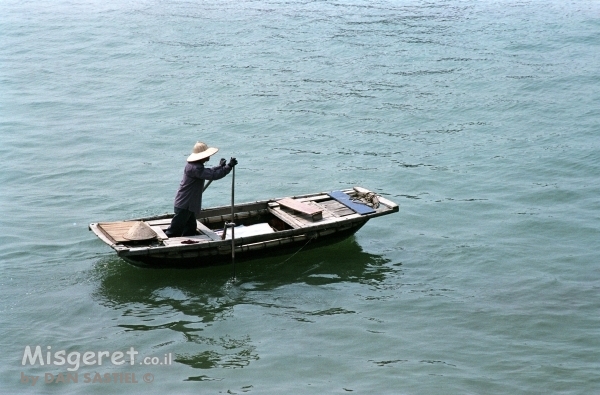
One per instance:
(343, 198)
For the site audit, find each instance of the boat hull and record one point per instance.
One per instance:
(242, 253)
(263, 229)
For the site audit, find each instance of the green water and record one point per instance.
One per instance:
(480, 119)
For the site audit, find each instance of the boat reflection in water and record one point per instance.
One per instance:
(192, 311)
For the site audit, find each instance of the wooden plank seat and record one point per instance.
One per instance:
(158, 226)
(160, 234)
(314, 212)
(205, 230)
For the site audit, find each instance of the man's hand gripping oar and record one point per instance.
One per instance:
(222, 163)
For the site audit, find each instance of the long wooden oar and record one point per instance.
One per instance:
(232, 223)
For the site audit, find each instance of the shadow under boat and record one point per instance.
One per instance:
(121, 284)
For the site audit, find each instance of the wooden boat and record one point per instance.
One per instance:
(262, 228)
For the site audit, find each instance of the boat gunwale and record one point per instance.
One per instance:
(240, 208)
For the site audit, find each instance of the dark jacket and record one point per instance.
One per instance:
(189, 195)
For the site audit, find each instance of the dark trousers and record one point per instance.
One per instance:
(182, 224)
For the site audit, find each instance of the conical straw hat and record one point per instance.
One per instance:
(139, 231)
(201, 151)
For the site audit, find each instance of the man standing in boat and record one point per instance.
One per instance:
(188, 200)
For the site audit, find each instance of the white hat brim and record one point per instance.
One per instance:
(202, 155)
